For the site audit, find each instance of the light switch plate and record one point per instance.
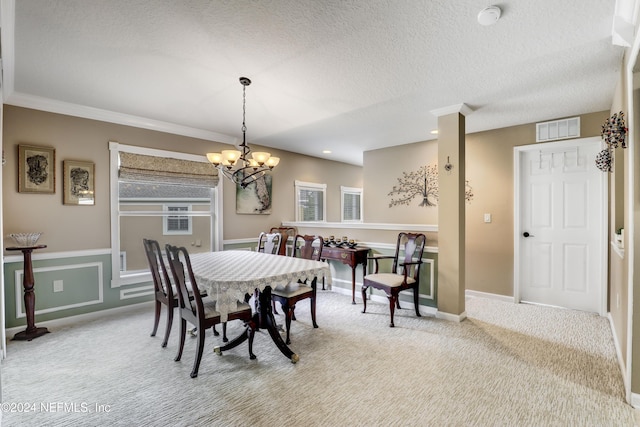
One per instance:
(58, 286)
(487, 218)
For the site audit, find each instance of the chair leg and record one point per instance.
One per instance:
(313, 312)
(364, 298)
(169, 324)
(274, 308)
(224, 332)
(199, 349)
(415, 302)
(393, 299)
(183, 332)
(251, 330)
(215, 331)
(156, 319)
(288, 311)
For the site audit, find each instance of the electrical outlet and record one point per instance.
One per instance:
(57, 286)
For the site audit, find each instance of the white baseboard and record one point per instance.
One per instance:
(635, 400)
(65, 321)
(623, 369)
(452, 317)
(505, 298)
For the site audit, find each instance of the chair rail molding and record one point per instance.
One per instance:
(364, 226)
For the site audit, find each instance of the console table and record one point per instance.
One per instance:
(350, 257)
(29, 296)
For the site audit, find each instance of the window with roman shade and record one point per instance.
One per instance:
(140, 167)
(167, 196)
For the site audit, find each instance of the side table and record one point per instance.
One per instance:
(29, 296)
(351, 257)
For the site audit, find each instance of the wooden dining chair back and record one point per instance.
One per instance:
(404, 274)
(164, 293)
(199, 311)
(285, 234)
(269, 243)
(307, 247)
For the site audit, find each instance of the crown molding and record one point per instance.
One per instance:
(463, 109)
(46, 104)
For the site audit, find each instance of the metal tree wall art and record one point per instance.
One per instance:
(423, 184)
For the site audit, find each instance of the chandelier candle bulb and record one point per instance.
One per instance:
(215, 158)
(272, 162)
(261, 157)
(229, 157)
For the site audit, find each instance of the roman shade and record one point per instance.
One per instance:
(140, 167)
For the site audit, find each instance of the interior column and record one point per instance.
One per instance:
(451, 211)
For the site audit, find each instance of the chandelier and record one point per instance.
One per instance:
(236, 164)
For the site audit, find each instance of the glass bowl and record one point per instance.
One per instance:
(25, 239)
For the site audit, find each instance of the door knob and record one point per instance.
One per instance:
(526, 234)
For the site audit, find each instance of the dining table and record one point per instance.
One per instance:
(228, 276)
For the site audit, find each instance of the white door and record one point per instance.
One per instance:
(560, 229)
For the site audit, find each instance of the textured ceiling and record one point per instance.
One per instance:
(346, 76)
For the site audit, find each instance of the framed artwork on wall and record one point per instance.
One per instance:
(255, 198)
(36, 169)
(79, 183)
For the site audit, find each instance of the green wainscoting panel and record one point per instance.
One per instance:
(85, 282)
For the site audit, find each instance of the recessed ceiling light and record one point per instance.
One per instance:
(489, 15)
(326, 151)
(434, 132)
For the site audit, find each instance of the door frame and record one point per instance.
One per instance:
(518, 152)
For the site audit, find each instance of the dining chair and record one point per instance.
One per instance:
(404, 275)
(164, 291)
(270, 243)
(285, 234)
(200, 311)
(307, 247)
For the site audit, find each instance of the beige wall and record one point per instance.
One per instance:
(70, 228)
(489, 170)
(618, 266)
(489, 167)
(382, 169)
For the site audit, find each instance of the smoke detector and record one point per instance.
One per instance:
(489, 15)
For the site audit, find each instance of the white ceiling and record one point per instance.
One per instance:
(346, 76)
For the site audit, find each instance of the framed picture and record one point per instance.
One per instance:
(36, 169)
(255, 198)
(79, 183)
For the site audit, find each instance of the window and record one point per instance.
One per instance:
(166, 196)
(310, 201)
(351, 204)
(177, 224)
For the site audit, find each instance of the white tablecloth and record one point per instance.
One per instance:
(228, 275)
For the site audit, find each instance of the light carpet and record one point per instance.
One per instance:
(506, 365)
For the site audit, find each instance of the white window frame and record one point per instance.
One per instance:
(130, 278)
(310, 186)
(165, 221)
(351, 191)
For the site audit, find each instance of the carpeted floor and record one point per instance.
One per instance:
(506, 365)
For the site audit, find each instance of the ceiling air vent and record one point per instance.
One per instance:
(558, 129)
